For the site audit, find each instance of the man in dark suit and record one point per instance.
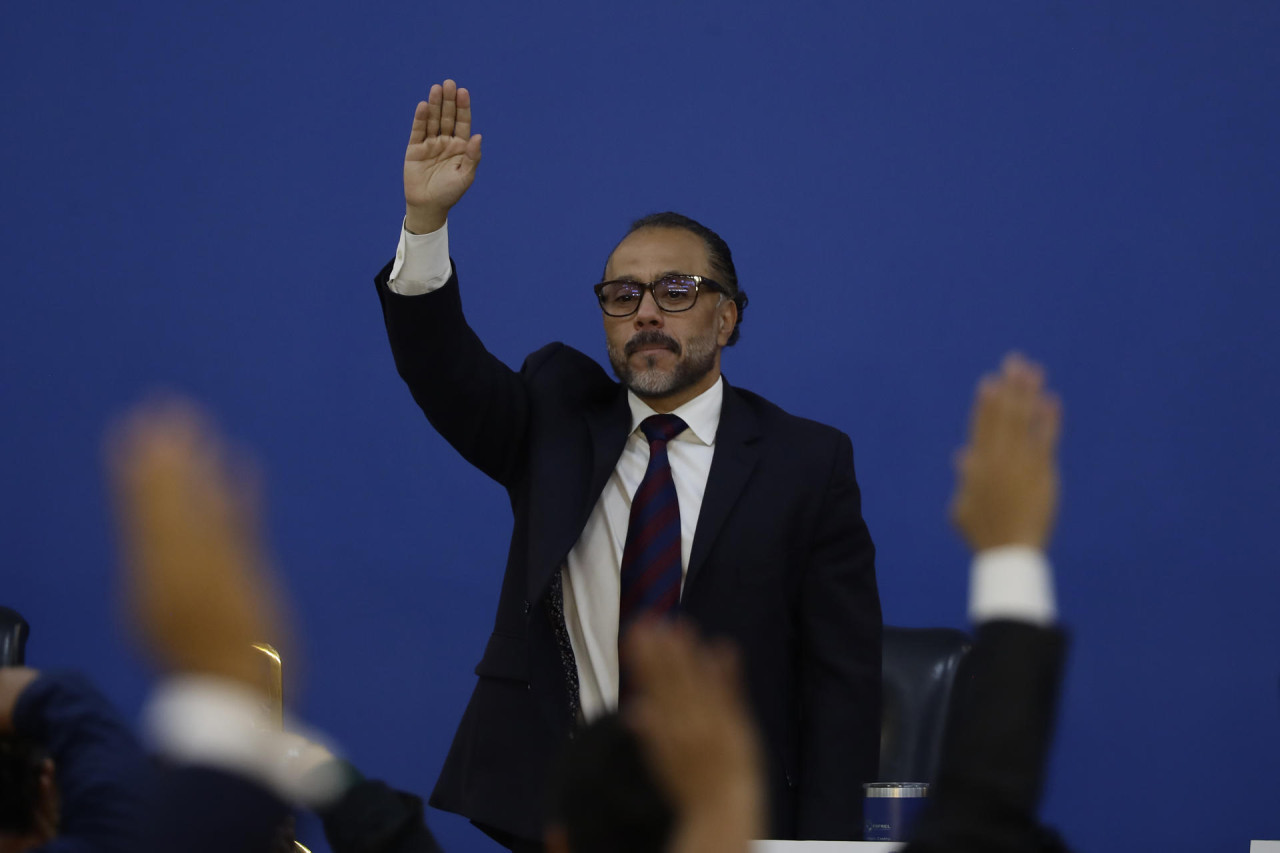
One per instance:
(744, 518)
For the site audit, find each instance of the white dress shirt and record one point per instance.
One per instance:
(591, 576)
(1012, 582)
(207, 721)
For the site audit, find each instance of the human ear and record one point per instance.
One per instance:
(727, 314)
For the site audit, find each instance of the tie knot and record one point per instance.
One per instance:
(662, 427)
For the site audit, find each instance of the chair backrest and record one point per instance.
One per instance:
(13, 637)
(921, 671)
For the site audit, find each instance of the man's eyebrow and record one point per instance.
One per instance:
(634, 280)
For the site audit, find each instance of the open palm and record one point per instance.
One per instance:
(441, 158)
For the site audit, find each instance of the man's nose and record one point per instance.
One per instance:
(648, 314)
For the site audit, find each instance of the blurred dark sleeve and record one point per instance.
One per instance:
(100, 768)
(372, 817)
(199, 809)
(997, 746)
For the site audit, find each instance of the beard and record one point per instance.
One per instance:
(693, 362)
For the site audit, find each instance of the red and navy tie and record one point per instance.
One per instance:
(651, 557)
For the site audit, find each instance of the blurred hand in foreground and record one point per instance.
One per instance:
(690, 714)
(196, 575)
(13, 681)
(1007, 486)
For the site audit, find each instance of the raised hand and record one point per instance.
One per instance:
(690, 714)
(197, 582)
(440, 162)
(1007, 488)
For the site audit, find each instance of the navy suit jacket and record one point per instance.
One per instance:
(782, 564)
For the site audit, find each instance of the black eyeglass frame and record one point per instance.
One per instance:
(698, 282)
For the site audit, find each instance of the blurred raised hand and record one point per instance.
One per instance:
(197, 579)
(690, 714)
(1007, 486)
(440, 162)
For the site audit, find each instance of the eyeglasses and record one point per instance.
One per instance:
(671, 293)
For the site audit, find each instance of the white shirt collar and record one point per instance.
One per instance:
(701, 414)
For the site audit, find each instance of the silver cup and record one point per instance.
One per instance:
(890, 809)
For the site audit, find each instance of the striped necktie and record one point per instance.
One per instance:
(651, 572)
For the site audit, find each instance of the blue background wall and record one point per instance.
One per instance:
(197, 197)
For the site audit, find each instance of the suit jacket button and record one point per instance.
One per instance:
(527, 607)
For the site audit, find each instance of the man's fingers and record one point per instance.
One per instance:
(1022, 400)
(1023, 381)
(173, 484)
(462, 121)
(724, 670)
(418, 132)
(982, 418)
(449, 108)
(473, 148)
(666, 673)
(1006, 402)
(434, 100)
(661, 660)
(1046, 422)
(143, 446)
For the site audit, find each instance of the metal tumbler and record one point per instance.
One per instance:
(890, 809)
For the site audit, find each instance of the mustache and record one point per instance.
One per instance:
(649, 337)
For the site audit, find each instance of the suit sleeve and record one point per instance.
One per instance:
(840, 666)
(208, 810)
(997, 746)
(99, 766)
(372, 817)
(475, 401)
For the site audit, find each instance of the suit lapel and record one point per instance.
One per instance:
(731, 466)
(608, 426)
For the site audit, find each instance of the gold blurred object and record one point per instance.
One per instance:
(275, 698)
(274, 681)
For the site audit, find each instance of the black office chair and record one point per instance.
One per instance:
(13, 637)
(922, 669)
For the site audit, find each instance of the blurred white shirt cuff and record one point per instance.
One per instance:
(214, 722)
(422, 262)
(1012, 582)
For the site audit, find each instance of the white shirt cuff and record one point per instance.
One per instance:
(1012, 582)
(422, 262)
(214, 722)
